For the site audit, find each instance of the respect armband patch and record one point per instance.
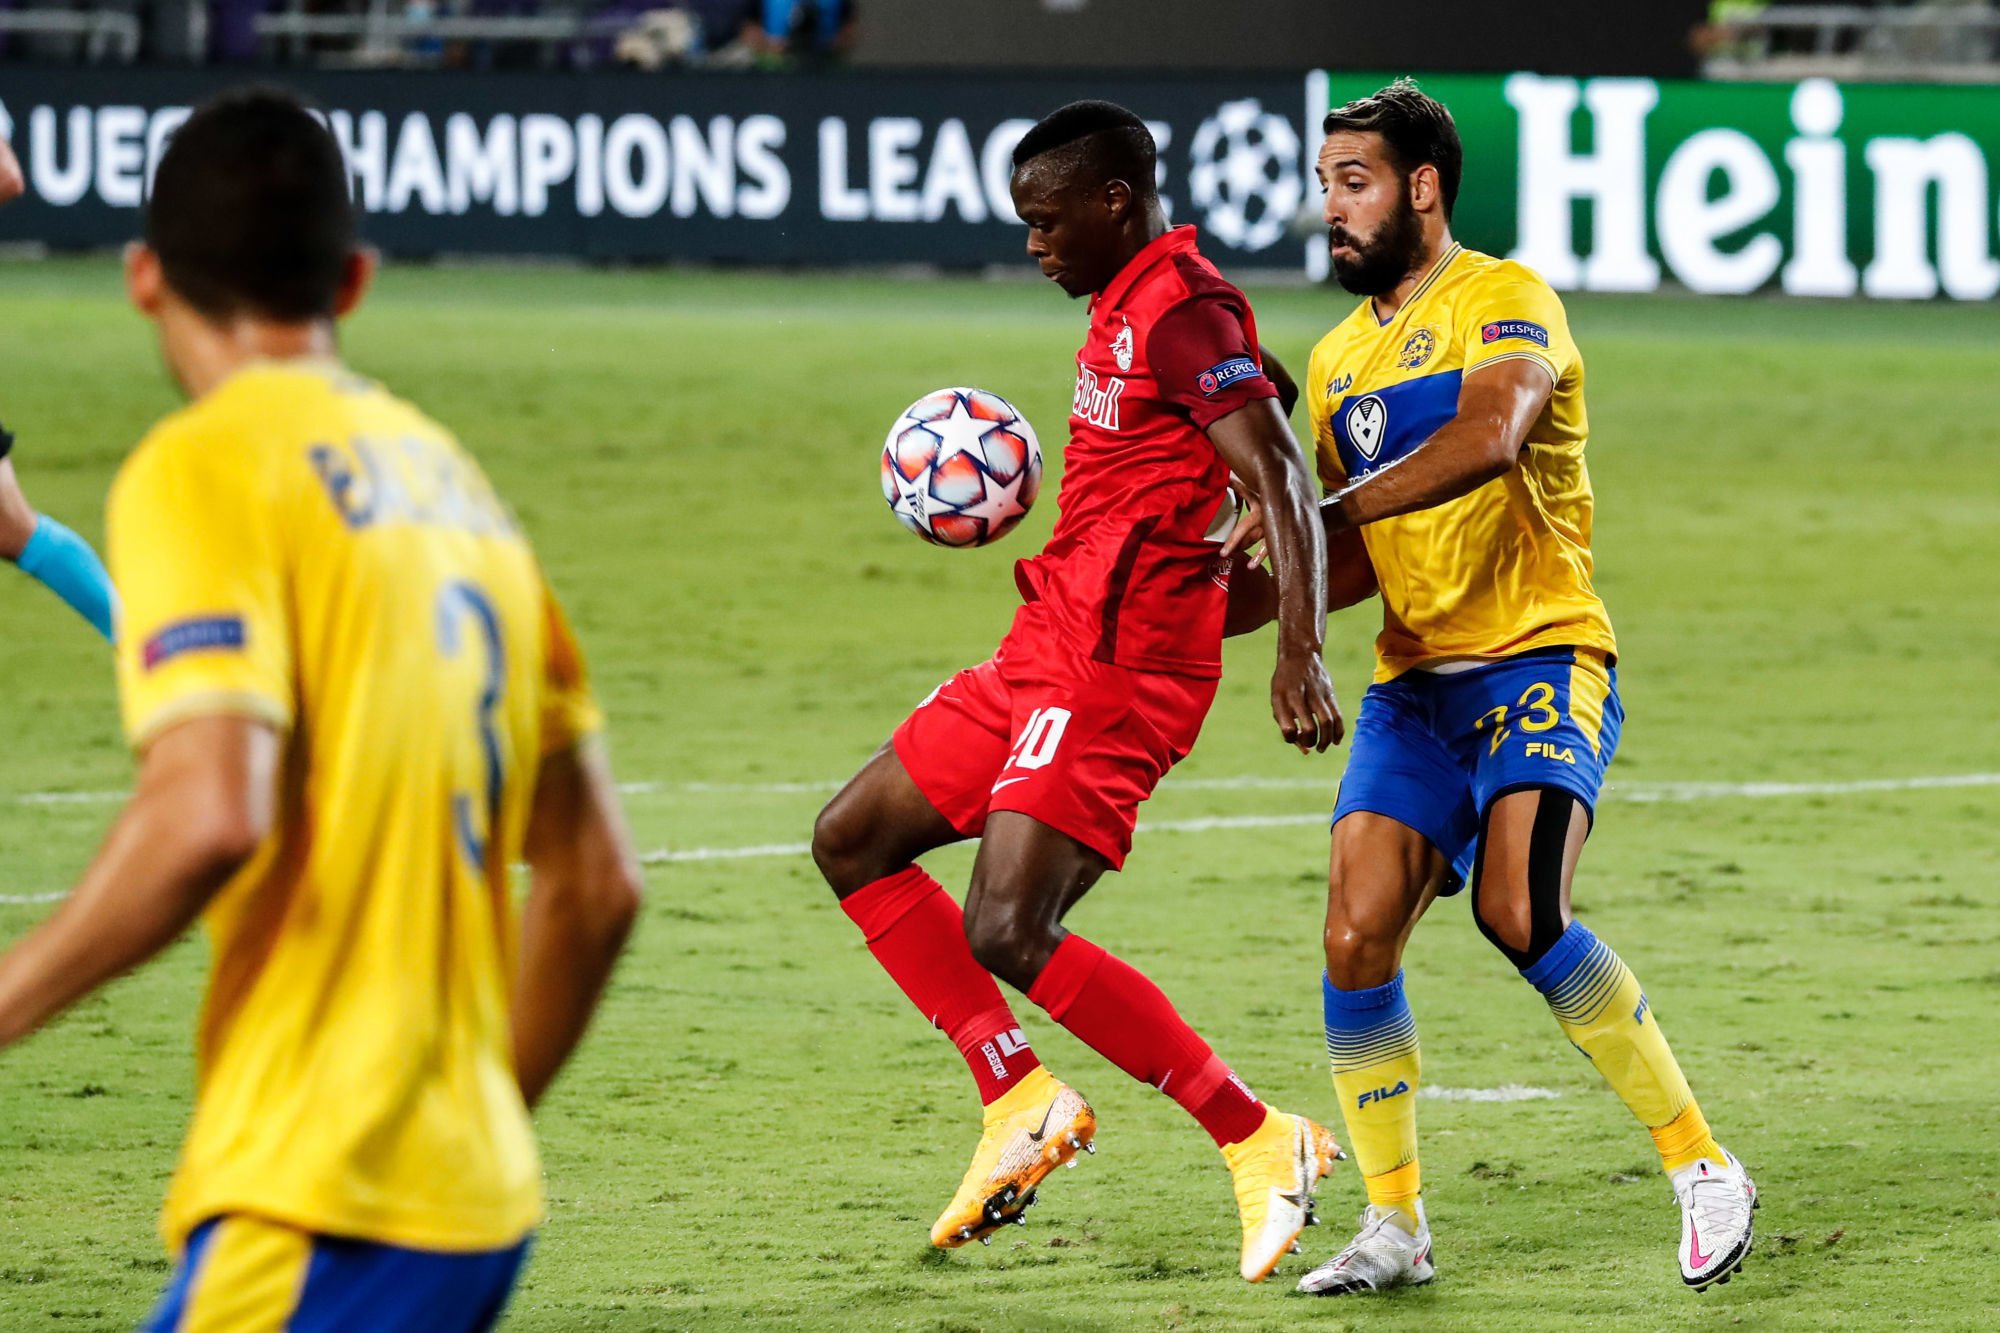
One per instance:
(204, 634)
(1502, 329)
(1217, 378)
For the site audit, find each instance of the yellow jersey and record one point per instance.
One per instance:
(1507, 567)
(300, 547)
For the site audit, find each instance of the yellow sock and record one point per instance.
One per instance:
(1685, 1140)
(1371, 1039)
(1602, 1010)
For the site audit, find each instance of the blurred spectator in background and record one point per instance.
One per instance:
(804, 32)
(712, 33)
(232, 31)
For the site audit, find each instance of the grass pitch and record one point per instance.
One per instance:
(1799, 538)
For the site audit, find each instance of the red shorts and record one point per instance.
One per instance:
(1044, 730)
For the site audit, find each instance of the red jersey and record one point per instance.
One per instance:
(1131, 574)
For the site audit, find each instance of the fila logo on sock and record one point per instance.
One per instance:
(1381, 1094)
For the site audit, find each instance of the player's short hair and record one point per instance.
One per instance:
(1100, 140)
(250, 211)
(1415, 126)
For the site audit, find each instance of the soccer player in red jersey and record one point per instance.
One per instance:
(1045, 752)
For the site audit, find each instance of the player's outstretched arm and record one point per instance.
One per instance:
(13, 184)
(206, 798)
(50, 553)
(1497, 406)
(582, 901)
(1258, 446)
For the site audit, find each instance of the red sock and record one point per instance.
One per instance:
(1115, 1011)
(917, 934)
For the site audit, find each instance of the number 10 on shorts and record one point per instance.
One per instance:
(1039, 738)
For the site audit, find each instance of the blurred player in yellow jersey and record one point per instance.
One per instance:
(355, 705)
(1449, 417)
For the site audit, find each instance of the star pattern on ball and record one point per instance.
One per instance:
(961, 433)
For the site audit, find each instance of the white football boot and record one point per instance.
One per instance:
(1382, 1256)
(1716, 1207)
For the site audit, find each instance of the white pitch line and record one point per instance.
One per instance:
(1633, 792)
(21, 899)
(1506, 1092)
(1638, 792)
(1647, 792)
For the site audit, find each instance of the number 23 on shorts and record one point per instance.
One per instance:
(1538, 713)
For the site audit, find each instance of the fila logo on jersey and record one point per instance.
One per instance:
(1097, 401)
(1562, 754)
(1526, 331)
(1339, 385)
(1366, 421)
(1121, 348)
(1381, 1094)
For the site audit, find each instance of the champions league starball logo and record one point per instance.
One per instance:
(1244, 175)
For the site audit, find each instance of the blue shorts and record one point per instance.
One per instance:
(247, 1274)
(1434, 751)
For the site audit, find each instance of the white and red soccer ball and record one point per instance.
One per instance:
(961, 467)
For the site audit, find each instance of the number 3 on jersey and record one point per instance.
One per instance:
(457, 602)
(1039, 738)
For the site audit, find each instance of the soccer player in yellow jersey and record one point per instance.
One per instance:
(355, 705)
(1448, 413)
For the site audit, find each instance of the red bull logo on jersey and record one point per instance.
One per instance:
(1121, 348)
(1097, 400)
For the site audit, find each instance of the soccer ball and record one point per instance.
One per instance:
(961, 467)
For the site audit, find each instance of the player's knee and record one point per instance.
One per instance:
(1518, 896)
(1504, 912)
(841, 845)
(1364, 933)
(1011, 944)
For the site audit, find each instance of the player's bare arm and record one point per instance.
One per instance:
(13, 184)
(1497, 406)
(1253, 591)
(582, 901)
(1281, 379)
(205, 801)
(17, 516)
(1258, 446)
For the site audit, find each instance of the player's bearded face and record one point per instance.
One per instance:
(1383, 258)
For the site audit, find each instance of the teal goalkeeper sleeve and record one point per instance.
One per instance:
(71, 570)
